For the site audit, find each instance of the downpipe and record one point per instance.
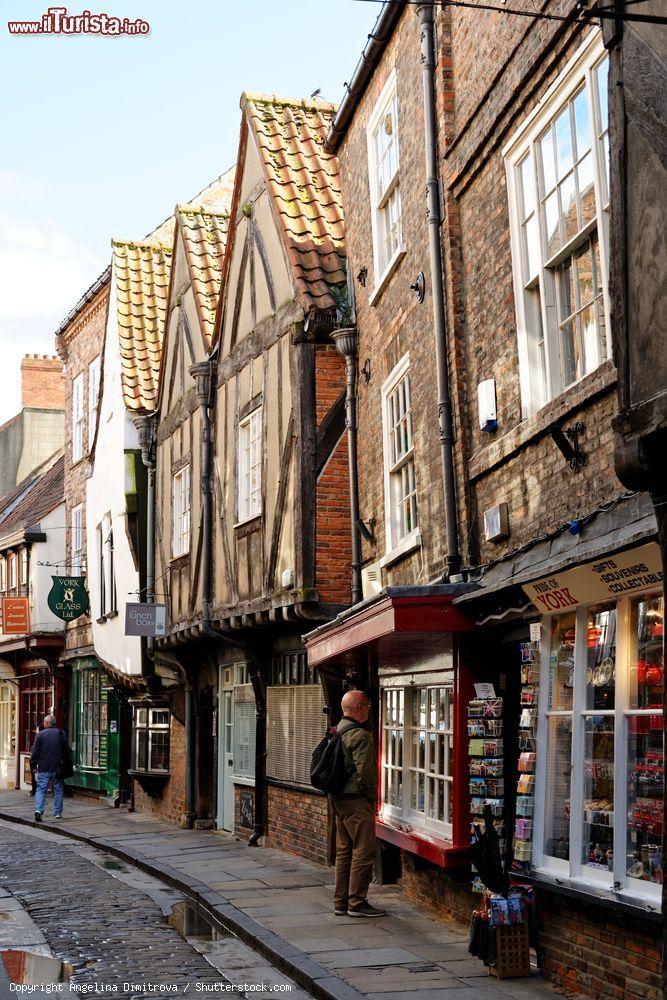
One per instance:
(445, 424)
(345, 340)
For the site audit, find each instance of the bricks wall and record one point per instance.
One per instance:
(171, 805)
(597, 952)
(42, 382)
(333, 547)
(79, 344)
(446, 892)
(396, 323)
(297, 822)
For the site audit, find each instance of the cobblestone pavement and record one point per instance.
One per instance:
(110, 928)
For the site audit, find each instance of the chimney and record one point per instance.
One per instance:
(42, 382)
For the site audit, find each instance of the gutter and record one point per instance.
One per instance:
(377, 40)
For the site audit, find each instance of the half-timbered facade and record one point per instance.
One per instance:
(281, 529)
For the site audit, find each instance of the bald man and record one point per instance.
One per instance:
(354, 812)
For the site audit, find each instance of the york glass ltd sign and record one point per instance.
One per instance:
(68, 597)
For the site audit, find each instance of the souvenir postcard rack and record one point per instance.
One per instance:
(485, 751)
(525, 789)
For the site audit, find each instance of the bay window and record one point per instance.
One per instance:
(558, 188)
(418, 753)
(599, 819)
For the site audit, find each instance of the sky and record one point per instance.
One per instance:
(100, 137)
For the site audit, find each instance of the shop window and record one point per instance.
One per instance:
(36, 702)
(244, 732)
(13, 574)
(295, 719)
(90, 730)
(150, 740)
(181, 512)
(418, 756)
(557, 171)
(600, 807)
(249, 489)
(399, 459)
(7, 721)
(384, 178)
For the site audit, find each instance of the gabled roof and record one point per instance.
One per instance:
(204, 238)
(303, 182)
(36, 496)
(142, 282)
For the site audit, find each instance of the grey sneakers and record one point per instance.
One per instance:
(365, 910)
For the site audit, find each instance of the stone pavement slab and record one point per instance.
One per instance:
(281, 906)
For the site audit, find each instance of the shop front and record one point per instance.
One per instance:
(404, 648)
(8, 689)
(96, 721)
(236, 749)
(576, 665)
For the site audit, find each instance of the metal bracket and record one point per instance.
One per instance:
(366, 370)
(568, 444)
(419, 286)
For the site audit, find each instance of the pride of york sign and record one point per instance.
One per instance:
(607, 578)
(68, 598)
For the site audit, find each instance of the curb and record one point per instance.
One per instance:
(298, 965)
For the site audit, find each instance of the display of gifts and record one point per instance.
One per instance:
(525, 802)
(524, 828)
(527, 762)
(525, 805)
(487, 786)
(525, 784)
(476, 748)
(493, 748)
(527, 719)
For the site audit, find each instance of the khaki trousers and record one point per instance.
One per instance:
(355, 850)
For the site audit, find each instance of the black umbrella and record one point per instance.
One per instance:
(485, 856)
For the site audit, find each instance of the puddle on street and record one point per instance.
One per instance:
(34, 970)
(191, 924)
(114, 866)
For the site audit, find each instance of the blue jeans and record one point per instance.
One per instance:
(43, 779)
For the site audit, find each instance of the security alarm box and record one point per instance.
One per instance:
(486, 405)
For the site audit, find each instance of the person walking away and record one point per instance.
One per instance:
(33, 774)
(354, 812)
(49, 756)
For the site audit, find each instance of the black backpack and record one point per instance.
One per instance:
(329, 770)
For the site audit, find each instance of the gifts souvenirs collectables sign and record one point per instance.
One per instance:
(68, 597)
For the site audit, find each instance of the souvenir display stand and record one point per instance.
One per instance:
(485, 751)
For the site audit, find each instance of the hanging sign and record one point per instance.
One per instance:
(607, 578)
(15, 615)
(68, 597)
(145, 619)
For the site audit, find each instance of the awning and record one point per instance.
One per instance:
(398, 618)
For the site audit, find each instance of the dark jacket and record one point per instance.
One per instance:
(49, 750)
(360, 755)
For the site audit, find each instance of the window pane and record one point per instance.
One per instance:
(551, 216)
(586, 189)
(582, 125)
(646, 789)
(532, 248)
(589, 338)
(561, 665)
(646, 657)
(563, 142)
(548, 165)
(569, 353)
(527, 186)
(601, 76)
(601, 660)
(557, 787)
(568, 204)
(598, 826)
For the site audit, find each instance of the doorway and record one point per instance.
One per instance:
(7, 735)
(225, 816)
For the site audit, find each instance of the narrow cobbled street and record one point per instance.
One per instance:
(111, 928)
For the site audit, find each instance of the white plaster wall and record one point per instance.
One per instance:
(105, 494)
(52, 551)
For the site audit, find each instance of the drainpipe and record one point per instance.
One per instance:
(345, 340)
(202, 373)
(145, 425)
(190, 754)
(426, 21)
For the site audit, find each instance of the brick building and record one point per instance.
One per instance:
(571, 759)
(97, 710)
(35, 434)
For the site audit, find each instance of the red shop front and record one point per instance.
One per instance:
(403, 648)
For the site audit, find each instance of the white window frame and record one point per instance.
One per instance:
(537, 333)
(3, 575)
(249, 462)
(180, 511)
(404, 812)
(94, 370)
(78, 554)
(380, 199)
(77, 418)
(396, 544)
(573, 871)
(13, 573)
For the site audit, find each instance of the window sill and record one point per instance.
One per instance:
(423, 843)
(101, 620)
(589, 892)
(596, 383)
(249, 525)
(383, 280)
(240, 779)
(181, 560)
(405, 546)
(112, 614)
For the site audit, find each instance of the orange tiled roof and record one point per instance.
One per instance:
(304, 182)
(142, 283)
(204, 238)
